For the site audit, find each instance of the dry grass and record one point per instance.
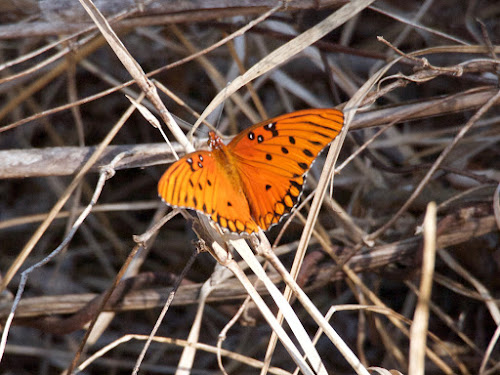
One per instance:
(427, 130)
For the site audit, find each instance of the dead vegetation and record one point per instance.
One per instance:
(426, 130)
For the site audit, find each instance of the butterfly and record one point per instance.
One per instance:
(258, 177)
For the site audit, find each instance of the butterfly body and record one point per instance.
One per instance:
(257, 178)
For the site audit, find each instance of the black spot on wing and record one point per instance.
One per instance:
(269, 157)
(304, 166)
(190, 162)
(272, 128)
(316, 143)
(307, 152)
(321, 127)
(284, 150)
(268, 187)
(327, 136)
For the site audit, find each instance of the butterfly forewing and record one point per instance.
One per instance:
(273, 156)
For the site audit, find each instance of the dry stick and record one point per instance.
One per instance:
(489, 350)
(251, 90)
(227, 327)
(162, 14)
(496, 205)
(483, 291)
(185, 363)
(447, 319)
(377, 258)
(265, 250)
(420, 325)
(294, 323)
(125, 206)
(105, 174)
(45, 62)
(181, 343)
(419, 26)
(62, 201)
(326, 175)
(396, 322)
(132, 66)
(171, 296)
(49, 159)
(473, 98)
(117, 17)
(48, 77)
(256, 267)
(221, 42)
(105, 299)
(352, 276)
(288, 50)
(215, 76)
(435, 166)
(358, 247)
(225, 259)
(135, 70)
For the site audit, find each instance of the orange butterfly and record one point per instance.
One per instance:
(257, 178)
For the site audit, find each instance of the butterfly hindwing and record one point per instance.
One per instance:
(197, 182)
(271, 196)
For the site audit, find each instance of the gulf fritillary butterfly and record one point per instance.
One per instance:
(257, 178)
